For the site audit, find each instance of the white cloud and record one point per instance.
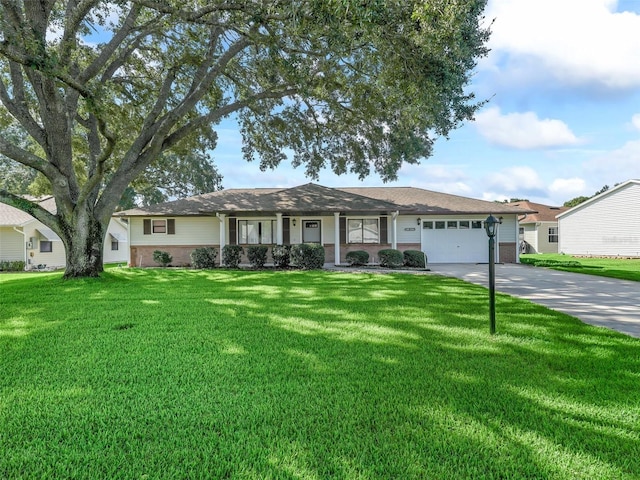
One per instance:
(635, 121)
(577, 42)
(523, 130)
(517, 179)
(616, 166)
(568, 187)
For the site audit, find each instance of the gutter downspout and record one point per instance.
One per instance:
(24, 244)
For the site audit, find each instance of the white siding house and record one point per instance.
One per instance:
(447, 228)
(24, 238)
(607, 224)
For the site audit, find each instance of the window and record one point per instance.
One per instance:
(452, 224)
(427, 225)
(553, 234)
(464, 224)
(521, 230)
(254, 232)
(114, 245)
(159, 226)
(476, 224)
(439, 225)
(363, 230)
(46, 246)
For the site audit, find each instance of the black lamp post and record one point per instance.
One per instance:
(491, 227)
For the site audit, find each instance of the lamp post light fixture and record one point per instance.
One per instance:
(491, 227)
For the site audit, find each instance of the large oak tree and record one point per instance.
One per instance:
(105, 88)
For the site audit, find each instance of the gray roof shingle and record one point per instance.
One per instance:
(313, 198)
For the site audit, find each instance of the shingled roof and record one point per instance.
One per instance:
(544, 213)
(418, 200)
(14, 217)
(314, 199)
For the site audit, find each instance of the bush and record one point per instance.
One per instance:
(11, 265)
(414, 259)
(281, 255)
(163, 258)
(544, 262)
(390, 258)
(204, 257)
(308, 256)
(231, 255)
(257, 255)
(357, 258)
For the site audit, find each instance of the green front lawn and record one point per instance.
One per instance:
(305, 375)
(622, 268)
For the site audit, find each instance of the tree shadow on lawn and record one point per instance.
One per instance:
(318, 375)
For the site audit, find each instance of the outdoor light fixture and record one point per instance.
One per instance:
(491, 227)
(419, 220)
(294, 222)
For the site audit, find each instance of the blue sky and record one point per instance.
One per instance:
(563, 117)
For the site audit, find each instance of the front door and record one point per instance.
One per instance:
(311, 231)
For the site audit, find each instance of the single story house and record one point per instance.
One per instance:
(448, 228)
(539, 231)
(22, 237)
(607, 224)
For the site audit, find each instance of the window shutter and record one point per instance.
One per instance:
(146, 226)
(233, 231)
(343, 230)
(286, 231)
(383, 230)
(171, 226)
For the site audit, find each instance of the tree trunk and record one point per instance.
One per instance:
(83, 240)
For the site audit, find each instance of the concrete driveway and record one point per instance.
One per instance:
(605, 302)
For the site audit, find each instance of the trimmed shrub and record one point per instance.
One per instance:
(281, 255)
(390, 258)
(357, 258)
(231, 255)
(204, 257)
(11, 265)
(163, 258)
(543, 262)
(414, 259)
(308, 256)
(257, 255)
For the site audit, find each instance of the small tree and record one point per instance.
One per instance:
(163, 258)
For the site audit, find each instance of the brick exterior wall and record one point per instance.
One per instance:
(508, 252)
(142, 256)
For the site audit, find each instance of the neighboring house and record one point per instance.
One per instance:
(448, 228)
(539, 231)
(22, 237)
(607, 224)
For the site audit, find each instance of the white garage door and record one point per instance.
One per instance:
(455, 241)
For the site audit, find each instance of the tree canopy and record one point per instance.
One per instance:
(103, 89)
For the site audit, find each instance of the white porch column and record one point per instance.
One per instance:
(517, 239)
(279, 235)
(223, 232)
(336, 238)
(394, 238)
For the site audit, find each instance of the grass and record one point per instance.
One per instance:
(305, 375)
(621, 268)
